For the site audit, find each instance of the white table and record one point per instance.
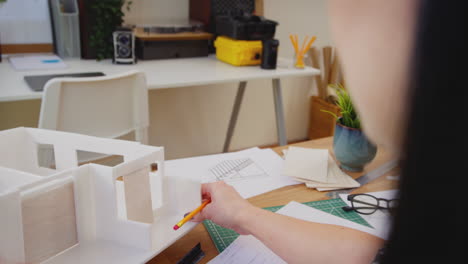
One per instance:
(164, 74)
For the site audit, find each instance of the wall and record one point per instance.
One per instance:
(193, 120)
(157, 11)
(25, 21)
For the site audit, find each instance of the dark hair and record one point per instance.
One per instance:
(429, 226)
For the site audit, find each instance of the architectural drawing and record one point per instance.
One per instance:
(239, 169)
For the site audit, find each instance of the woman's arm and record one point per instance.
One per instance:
(294, 240)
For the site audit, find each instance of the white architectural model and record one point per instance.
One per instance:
(90, 213)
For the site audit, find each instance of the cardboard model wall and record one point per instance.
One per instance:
(58, 214)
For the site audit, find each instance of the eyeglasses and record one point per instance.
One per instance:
(368, 204)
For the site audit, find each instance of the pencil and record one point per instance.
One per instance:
(303, 50)
(310, 44)
(294, 43)
(191, 214)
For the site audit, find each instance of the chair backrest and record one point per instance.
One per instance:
(106, 106)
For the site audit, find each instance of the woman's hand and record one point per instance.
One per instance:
(227, 207)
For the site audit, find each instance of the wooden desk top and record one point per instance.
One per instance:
(299, 193)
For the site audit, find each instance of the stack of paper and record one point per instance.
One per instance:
(316, 168)
(36, 62)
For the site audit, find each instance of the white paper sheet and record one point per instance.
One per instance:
(339, 178)
(381, 219)
(251, 172)
(36, 62)
(307, 213)
(308, 164)
(248, 249)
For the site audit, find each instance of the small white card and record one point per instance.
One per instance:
(306, 163)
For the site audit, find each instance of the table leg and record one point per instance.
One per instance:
(280, 124)
(234, 115)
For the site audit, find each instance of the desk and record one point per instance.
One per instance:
(282, 196)
(164, 74)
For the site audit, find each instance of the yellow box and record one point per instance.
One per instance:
(238, 52)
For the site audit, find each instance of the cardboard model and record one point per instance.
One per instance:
(87, 213)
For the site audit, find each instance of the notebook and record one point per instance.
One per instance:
(37, 82)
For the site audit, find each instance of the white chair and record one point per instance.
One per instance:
(110, 106)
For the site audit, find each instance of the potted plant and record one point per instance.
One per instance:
(98, 20)
(352, 148)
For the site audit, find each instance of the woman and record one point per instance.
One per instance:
(403, 80)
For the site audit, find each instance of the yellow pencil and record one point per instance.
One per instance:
(294, 43)
(303, 46)
(309, 44)
(191, 214)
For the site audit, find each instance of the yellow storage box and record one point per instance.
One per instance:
(238, 52)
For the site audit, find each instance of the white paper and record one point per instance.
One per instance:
(381, 219)
(307, 213)
(37, 62)
(337, 179)
(248, 249)
(307, 164)
(340, 179)
(251, 172)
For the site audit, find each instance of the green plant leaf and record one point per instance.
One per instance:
(331, 113)
(349, 115)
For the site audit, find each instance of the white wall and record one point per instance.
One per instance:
(193, 121)
(25, 21)
(157, 11)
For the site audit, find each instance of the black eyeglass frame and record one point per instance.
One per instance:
(375, 207)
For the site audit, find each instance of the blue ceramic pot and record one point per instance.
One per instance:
(352, 148)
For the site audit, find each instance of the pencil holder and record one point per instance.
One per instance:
(301, 53)
(299, 61)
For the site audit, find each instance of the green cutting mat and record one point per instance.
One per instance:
(223, 237)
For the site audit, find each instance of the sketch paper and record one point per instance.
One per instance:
(251, 172)
(307, 164)
(237, 169)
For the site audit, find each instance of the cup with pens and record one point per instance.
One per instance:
(300, 54)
